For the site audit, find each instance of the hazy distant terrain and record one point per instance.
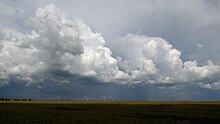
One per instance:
(26, 112)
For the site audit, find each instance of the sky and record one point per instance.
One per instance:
(136, 50)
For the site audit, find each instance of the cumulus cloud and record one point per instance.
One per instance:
(61, 45)
(215, 85)
(154, 60)
(56, 43)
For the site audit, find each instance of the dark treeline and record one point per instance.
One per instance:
(6, 99)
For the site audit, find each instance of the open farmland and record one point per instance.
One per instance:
(30, 112)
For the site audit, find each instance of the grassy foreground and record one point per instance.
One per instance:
(30, 112)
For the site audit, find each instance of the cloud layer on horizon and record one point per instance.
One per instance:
(61, 45)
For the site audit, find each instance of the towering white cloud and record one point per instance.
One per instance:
(58, 44)
(154, 60)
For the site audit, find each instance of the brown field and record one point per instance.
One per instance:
(50, 112)
(115, 102)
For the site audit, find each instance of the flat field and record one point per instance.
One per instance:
(30, 112)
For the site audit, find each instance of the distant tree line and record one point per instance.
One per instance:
(6, 99)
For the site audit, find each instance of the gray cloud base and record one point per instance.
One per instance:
(58, 44)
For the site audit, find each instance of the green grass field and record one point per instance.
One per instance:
(109, 112)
